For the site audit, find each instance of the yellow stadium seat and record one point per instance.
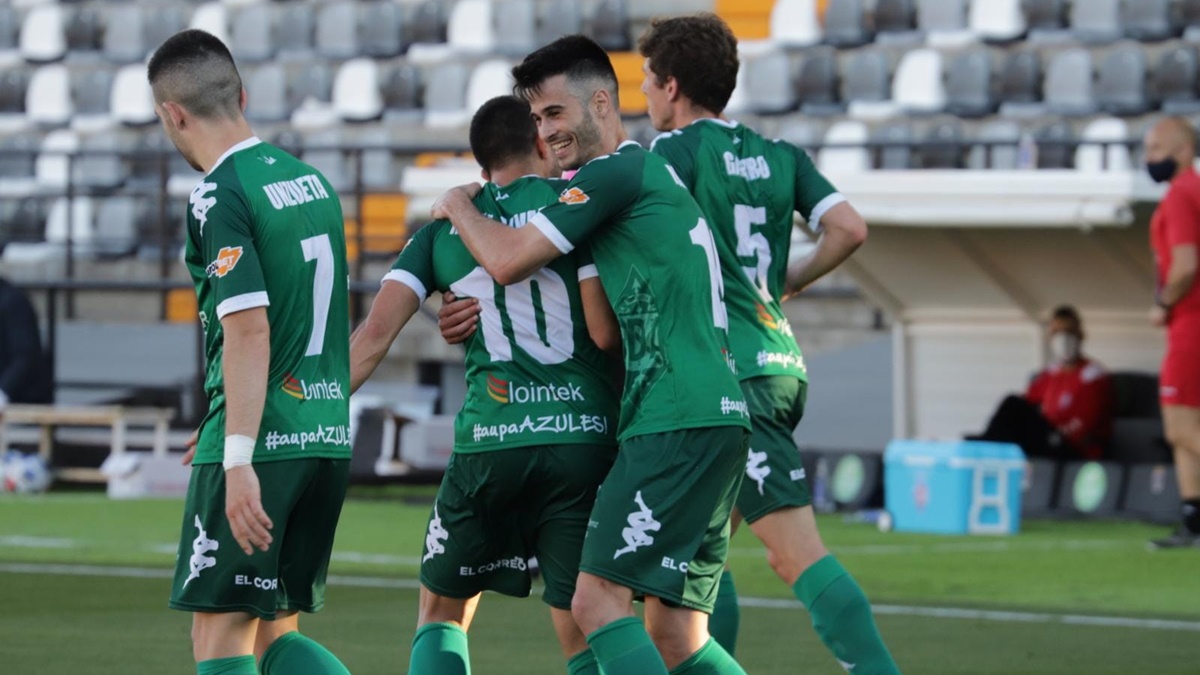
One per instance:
(629, 78)
(749, 19)
(384, 220)
(181, 305)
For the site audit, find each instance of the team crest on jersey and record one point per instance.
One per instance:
(497, 389)
(573, 196)
(765, 318)
(227, 259)
(646, 360)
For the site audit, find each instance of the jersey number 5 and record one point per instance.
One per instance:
(538, 310)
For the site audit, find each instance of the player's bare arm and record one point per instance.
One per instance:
(390, 312)
(1181, 276)
(509, 255)
(843, 230)
(247, 353)
(597, 311)
(458, 318)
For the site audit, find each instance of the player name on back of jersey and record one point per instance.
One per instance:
(749, 168)
(288, 193)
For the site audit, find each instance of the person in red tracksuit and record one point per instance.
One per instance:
(1175, 233)
(1067, 411)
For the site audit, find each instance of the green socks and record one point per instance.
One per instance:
(440, 649)
(727, 616)
(623, 647)
(233, 665)
(294, 654)
(583, 663)
(841, 615)
(710, 660)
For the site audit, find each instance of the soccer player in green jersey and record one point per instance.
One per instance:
(267, 254)
(660, 526)
(537, 431)
(749, 188)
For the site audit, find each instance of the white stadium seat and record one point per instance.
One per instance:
(794, 23)
(918, 86)
(72, 219)
(213, 18)
(470, 28)
(489, 80)
(132, 101)
(48, 99)
(42, 35)
(1097, 157)
(997, 20)
(53, 167)
(845, 159)
(356, 91)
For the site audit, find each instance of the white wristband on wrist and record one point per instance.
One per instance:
(239, 451)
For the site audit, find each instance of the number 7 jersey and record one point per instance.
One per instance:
(534, 376)
(265, 230)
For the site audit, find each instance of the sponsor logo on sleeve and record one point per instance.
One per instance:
(573, 196)
(227, 259)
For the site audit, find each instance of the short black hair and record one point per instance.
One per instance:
(1069, 314)
(700, 52)
(502, 131)
(578, 57)
(195, 69)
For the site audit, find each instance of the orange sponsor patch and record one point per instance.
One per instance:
(227, 259)
(573, 196)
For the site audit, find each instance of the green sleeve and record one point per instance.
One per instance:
(226, 241)
(680, 154)
(414, 265)
(601, 190)
(814, 193)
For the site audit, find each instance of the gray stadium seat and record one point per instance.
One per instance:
(446, 91)
(332, 163)
(998, 147)
(162, 23)
(85, 28)
(1096, 20)
(145, 166)
(559, 18)
(289, 141)
(515, 24)
(941, 15)
(895, 16)
(1121, 86)
(1020, 82)
(1056, 146)
(401, 88)
(1067, 89)
(969, 84)
(124, 34)
(429, 22)
(252, 34)
(10, 27)
(309, 80)
(610, 25)
(337, 30)
(13, 84)
(1189, 15)
(266, 89)
(866, 78)
(116, 226)
(1175, 80)
(895, 151)
(943, 147)
(379, 167)
(295, 31)
(381, 30)
(763, 77)
(817, 82)
(27, 223)
(99, 170)
(1148, 19)
(16, 156)
(90, 90)
(846, 24)
(1045, 14)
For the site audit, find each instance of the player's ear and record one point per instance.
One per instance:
(672, 88)
(602, 102)
(243, 99)
(487, 177)
(175, 114)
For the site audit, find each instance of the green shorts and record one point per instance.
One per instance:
(775, 476)
(661, 522)
(494, 510)
(303, 498)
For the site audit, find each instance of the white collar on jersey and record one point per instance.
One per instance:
(248, 143)
(729, 124)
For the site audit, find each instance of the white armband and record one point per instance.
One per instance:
(239, 451)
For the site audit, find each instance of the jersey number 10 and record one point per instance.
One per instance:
(538, 309)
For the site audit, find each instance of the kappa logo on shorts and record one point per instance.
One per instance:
(757, 469)
(201, 545)
(227, 259)
(574, 196)
(640, 522)
(435, 537)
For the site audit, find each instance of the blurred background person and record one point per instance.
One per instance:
(24, 371)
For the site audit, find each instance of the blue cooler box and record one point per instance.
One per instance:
(954, 487)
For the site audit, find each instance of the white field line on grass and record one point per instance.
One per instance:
(19, 541)
(756, 603)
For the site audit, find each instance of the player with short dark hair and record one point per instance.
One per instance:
(536, 434)
(660, 525)
(267, 254)
(749, 189)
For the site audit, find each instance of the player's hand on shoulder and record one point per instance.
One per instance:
(458, 319)
(445, 203)
(243, 507)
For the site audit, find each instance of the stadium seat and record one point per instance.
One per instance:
(1045, 14)
(52, 170)
(1091, 489)
(1175, 80)
(84, 31)
(131, 101)
(943, 147)
(1137, 440)
(446, 95)
(488, 80)
(124, 39)
(1148, 20)
(43, 36)
(515, 26)
(381, 30)
(470, 29)
(610, 25)
(162, 23)
(337, 30)
(817, 83)
(895, 151)
(1021, 84)
(252, 34)
(559, 18)
(997, 20)
(794, 23)
(401, 89)
(28, 222)
(1097, 156)
(997, 149)
(356, 91)
(266, 92)
(295, 31)
(764, 73)
(844, 151)
(429, 22)
(212, 17)
(895, 16)
(1121, 85)
(384, 224)
(324, 156)
(630, 76)
(1152, 493)
(969, 84)
(48, 99)
(17, 155)
(13, 85)
(72, 222)
(798, 131)
(1067, 89)
(1056, 146)
(309, 80)
(866, 78)
(1096, 21)
(116, 226)
(918, 86)
(941, 16)
(750, 20)
(10, 28)
(94, 169)
(379, 167)
(846, 24)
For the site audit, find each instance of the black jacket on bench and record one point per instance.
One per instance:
(24, 371)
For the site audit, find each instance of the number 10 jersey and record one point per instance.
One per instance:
(534, 376)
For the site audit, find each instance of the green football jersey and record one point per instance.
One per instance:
(265, 230)
(534, 376)
(658, 263)
(749, 188)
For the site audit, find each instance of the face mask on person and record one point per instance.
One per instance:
(1162, 171)
(1064, 348)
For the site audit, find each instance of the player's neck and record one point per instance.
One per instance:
(505, 176)
(219, 138)
(686, 114)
